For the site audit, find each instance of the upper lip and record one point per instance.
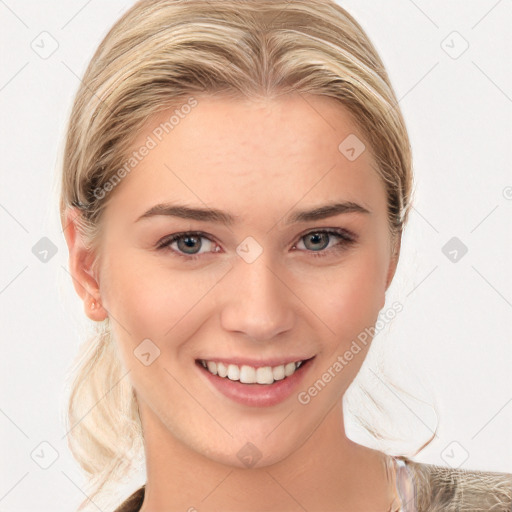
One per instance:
(256, 363)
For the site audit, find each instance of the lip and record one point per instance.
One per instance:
(256, 395)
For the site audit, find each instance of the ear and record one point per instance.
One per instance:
(80, 265)
(393, 263)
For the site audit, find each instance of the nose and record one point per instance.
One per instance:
(258, 302)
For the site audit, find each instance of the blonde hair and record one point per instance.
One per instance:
(159, 54)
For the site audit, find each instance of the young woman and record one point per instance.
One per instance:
(236, 181)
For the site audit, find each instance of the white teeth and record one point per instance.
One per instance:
(222, 370)
(233, 372)
(289, 369)
(247, 374)
(250, 375)
(278, 372)
(264, 375)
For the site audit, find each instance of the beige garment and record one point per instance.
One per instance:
(431, 488)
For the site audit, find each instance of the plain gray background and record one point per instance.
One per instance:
(449, 63)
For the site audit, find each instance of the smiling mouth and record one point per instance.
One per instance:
(247, 374)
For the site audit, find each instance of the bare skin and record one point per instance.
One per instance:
(260, 162)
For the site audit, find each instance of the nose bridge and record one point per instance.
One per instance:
(257, 302)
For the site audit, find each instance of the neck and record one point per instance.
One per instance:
(328, 472)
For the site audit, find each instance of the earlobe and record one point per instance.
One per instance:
(94, 310)
(80, 266)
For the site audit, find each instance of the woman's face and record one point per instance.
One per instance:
(265, 289)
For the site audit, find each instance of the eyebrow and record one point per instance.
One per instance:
(219, 216)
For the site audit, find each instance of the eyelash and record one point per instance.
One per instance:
(346, 239)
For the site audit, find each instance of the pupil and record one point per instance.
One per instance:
(189, 242)
(316, 237)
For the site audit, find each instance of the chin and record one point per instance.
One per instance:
(249, 455)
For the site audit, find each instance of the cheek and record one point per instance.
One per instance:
(348, 297)
(147, 298)
(348, 302)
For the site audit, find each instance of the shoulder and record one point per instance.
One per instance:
(448, 489)
(133, 503)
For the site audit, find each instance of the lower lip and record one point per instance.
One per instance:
(257, 395)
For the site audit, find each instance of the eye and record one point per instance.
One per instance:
(188, 244)
(319, 244)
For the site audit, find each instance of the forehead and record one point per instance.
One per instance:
(247, 153)
(292, 128)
